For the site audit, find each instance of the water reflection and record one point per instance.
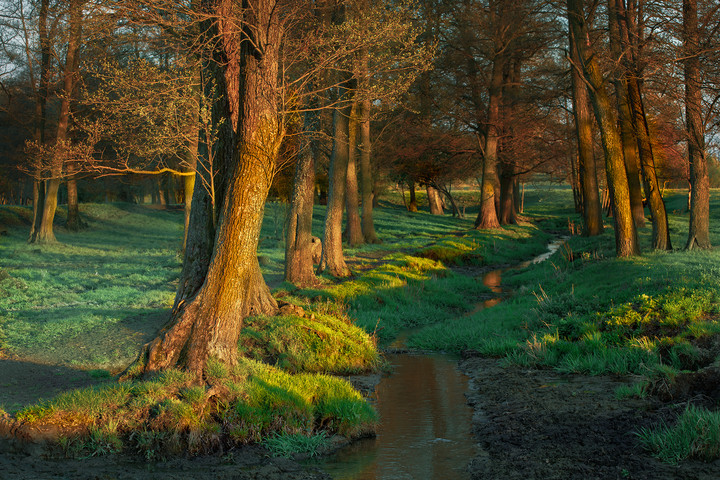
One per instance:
(424, 430)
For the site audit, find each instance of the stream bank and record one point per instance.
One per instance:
(539, 424)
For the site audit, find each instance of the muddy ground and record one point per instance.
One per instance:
(529, 424)
(538, 424)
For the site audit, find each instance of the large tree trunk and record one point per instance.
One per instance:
(626, 243)
(333, 260)
(210, 308)
(366, 176)
(587, 172)
(508, 212)
(699, 233)
(508, 164)
(487, 216)
(627, 133)
(298, 244)
(434, 200)
(352, 194)
(661, 230)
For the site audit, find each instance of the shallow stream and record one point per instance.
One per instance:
(424, 430)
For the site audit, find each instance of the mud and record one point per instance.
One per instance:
(538, 424)
(249, 463)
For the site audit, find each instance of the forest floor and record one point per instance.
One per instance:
(536, 420)
(539, 424)
(529, 424)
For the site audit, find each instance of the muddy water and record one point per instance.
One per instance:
(424, 430)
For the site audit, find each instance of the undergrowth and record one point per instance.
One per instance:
(169, 414)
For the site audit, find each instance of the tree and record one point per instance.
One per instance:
(43, 231)
(218, 290)
(333, 260)
(638, 118)
(699, 232)
(626, 243)
(592, 212)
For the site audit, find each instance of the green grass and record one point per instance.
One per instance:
(696, 434)
(169, 415)
(289, 445)
(315, 343)
(94, 299)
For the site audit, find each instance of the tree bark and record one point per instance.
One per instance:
(434, 200)
(627, 133)
(699, 232)
(412, 205)
(626, 243)
(366, 176)
(333, 260)
(299, 268)
(352, 196)
(508, 166)
(210, 308)
(661, 229)
(74, 220)
(487, 216)
(592, 210)
(45, 234)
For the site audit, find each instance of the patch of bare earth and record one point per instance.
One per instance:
(248, 463)
(539, 424)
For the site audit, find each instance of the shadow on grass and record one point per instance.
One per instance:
(24, 383)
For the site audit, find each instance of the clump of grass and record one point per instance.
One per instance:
(289, 445)
(696, 434)
(314, 343)
(635, 390)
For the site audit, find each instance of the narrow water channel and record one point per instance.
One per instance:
(424, 430)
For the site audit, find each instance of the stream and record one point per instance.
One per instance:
(424, 429)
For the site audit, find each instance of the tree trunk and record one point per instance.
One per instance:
(626, 243)
(487, 216)
(434, 200)
(210, 307)
(298, 245)
(661, 230)
(587, 172)
(38, 202)
(699, 232)
(189, 183)
(366, 177)
(41, 97)
(352, 196)
(413, 205)
(74, 221)
(332, 253)
(45, 232)
(508, 213)
(508, 165)
(627, 133)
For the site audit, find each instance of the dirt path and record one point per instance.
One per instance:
(538, 424)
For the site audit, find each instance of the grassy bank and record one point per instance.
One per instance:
(90, 302)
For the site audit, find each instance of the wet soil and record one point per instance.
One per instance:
(539, 424)
(245, 464)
